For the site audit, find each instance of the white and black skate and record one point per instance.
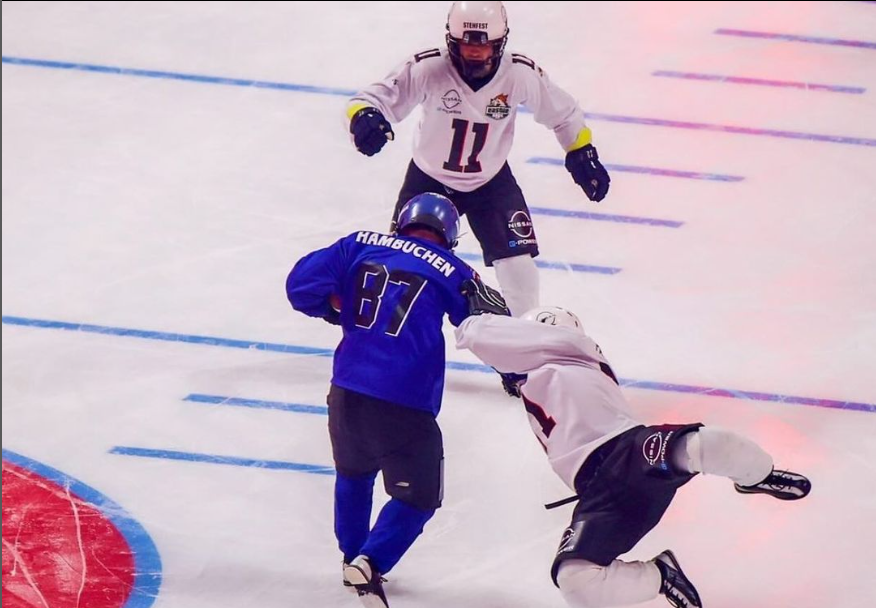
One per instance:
(783, 485)
(677, 588)
(347, 584)
(366, 581)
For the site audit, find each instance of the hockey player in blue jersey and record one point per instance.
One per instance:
(388, 375)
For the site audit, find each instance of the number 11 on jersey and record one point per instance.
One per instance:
(460, 131)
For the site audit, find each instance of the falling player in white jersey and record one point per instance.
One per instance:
(624, 474)
(470, 93)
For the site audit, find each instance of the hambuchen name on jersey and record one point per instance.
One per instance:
(409, 247)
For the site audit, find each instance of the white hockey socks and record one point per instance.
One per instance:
(716, 451)
(518, 280)
(584, 584)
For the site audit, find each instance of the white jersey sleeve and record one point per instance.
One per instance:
(573, 405)
(398, 94)
(515, 345)
(553, 107)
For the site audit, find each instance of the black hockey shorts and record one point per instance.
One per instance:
(625, 487)
(496, 212)
(370, 435)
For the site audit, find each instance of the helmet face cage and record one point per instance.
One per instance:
(481, 24)
(476, 69)
(432, 211)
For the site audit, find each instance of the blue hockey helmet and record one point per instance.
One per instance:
(432, 211)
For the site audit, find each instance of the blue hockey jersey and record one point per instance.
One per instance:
(394, 294)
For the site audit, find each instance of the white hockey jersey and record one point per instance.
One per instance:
(464, 136)
(573, 406)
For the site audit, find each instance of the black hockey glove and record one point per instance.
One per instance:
(332, 309)
(483, 299)
(370, 131)
(588, 172)
(332, 317)
(511, 382)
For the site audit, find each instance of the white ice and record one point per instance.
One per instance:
(166, 205)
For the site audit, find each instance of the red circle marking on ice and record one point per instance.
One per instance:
(58, 550)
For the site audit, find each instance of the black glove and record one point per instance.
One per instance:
(588, 172)
(332, 317)
(370, 131)
(511, 382)
(483, 299)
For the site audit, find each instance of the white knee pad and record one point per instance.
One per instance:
(518, 279)
(716, 451)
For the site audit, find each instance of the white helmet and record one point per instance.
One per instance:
(554, 315)
(478, 23)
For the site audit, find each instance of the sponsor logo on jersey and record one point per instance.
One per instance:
(521, 224)
(522, 243)
(498, 108)
(451, 99)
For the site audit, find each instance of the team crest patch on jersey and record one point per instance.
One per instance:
(498, 108)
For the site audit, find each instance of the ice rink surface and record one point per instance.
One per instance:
(166, 163)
